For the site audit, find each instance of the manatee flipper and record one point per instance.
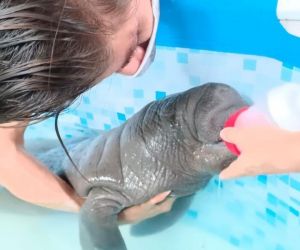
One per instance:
(98, 221)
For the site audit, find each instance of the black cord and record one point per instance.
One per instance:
(64, 147)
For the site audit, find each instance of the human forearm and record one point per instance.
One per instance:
(28, 180)
(292, 149)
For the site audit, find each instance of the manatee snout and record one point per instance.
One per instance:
(213, 104)
(209, 107)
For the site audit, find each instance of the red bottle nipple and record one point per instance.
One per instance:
(231, 123)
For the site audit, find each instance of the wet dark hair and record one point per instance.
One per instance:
(50, 53)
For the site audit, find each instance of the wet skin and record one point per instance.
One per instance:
(172, 144)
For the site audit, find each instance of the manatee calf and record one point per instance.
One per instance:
(172, 144)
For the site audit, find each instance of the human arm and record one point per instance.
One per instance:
(264, 150)
(29, 180)
(47, 190)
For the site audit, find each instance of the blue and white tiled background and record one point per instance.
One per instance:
(251, 213)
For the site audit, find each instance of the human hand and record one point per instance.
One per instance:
(157, 205)
(264, 150)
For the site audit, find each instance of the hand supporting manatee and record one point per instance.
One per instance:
(157, 205)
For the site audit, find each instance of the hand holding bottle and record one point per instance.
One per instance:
(264, 150)
(269, 141)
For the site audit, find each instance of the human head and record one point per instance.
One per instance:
(52, 51)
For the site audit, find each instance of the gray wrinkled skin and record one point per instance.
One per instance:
(171, 144)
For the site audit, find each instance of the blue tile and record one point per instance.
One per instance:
(129, 110)
(182, 58)
(266, 217)
(286, 74)
(107, 127)
(138, 93)
(90, 116)
(86, 100)
(283, 204)
(234, 241)
(270, 212)
(192, 213)
(160, 95)
(271, 220)
(121, 117)
(295, 184)
(272, 199)
(294, 211)
(262, 178)
(249, 64)
(83, 121)
(285, 178)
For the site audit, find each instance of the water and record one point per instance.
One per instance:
(28, 227)
(236, 218)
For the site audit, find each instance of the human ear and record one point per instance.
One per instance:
(134, 62)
